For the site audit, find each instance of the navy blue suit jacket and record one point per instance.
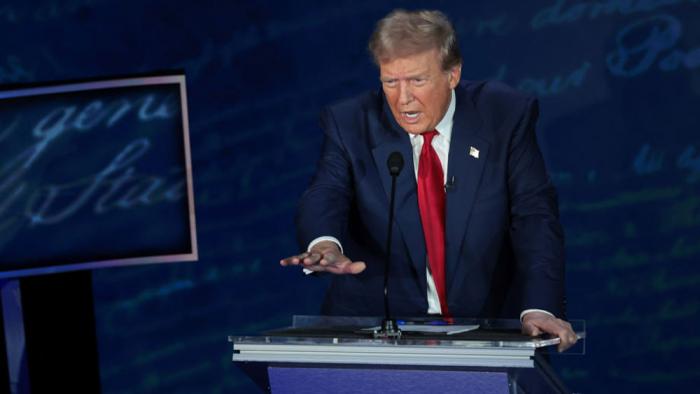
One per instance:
(504, 243)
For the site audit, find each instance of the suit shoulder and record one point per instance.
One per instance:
(353, 115)
(365, 102)
(495, 95)
(500, 108)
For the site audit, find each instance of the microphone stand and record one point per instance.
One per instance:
(390, 328)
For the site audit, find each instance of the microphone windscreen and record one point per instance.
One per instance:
(395, 163)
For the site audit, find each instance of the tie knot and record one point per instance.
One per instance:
(428, 136)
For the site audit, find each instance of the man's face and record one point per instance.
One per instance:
(418, 89)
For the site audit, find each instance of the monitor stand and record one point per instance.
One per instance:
(14, 366)
(50, 336)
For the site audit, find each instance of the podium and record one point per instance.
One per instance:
(323, 354)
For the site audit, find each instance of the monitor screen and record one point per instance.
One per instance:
(95, 174)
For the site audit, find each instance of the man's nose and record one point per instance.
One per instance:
(405, 94)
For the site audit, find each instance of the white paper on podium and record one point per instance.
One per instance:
(447, 329)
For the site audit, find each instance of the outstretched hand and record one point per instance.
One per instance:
(536, 323)
(325, 256)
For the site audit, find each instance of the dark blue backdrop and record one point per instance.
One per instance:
(619, 82)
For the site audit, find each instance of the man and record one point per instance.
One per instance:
(476, 230)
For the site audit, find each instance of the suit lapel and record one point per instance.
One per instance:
(406, 215)
(467, 157)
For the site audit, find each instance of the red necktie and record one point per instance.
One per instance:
(431, 203)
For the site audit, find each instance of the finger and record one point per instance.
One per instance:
(568, 340)
(329, 259)
(316, 268)
(566, 334)
(555, 327)
(293, 260)
(531, 330)
(311, 259)
(564, 345)
(551, 326)
(534, 331)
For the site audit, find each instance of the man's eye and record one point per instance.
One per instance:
(390, 83)
(418, 81)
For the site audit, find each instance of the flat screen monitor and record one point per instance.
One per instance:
(95, 174)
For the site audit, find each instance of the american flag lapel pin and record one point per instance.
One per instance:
(473, 152)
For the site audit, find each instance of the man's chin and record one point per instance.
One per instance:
(413, 128)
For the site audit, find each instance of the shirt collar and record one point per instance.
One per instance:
(445, 125)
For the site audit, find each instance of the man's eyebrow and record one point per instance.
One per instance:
(422, 74)
(413, 76)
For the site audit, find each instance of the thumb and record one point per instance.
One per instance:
(356, 268)
(531, 329)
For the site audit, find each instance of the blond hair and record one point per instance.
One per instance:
(404, 33)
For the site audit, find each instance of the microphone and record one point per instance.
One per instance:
(390, 329)
(450, 184)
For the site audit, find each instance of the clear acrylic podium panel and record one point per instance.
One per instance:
(496, 355)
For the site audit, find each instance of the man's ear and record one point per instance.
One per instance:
(453, 75)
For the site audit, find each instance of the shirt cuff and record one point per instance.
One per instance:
(321, 239)
(325, 238)
(526, 311)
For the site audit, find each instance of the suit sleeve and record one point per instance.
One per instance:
(536, 234)
(324, 206)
